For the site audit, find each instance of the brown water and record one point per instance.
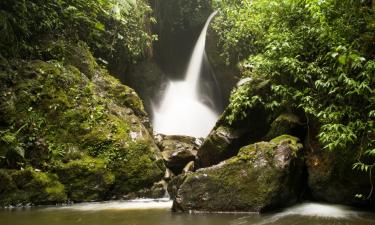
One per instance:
(158, 213)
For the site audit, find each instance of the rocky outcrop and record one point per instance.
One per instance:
(178, 27)
(148, 81)
(225, 74)
(178, 151)
(226, 138)
(262, 176)
(76, 123)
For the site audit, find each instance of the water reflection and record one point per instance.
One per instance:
(150, 212)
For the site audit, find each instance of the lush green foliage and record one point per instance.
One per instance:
(114, 29)
(319, 57)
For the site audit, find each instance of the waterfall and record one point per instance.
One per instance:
(180, 111)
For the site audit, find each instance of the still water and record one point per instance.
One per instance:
(157, 212)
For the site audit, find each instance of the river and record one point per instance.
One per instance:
(157, 212)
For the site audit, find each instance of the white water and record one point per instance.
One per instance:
(180, 111)
(317, 210)
(161, 203)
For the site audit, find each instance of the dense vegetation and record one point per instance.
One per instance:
(113, 29)
(319, 57)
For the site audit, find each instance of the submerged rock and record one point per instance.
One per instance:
(262, 176)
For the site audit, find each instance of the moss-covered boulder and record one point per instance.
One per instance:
(227, 138)
(262, 176)
(71, 117)
(29, 186)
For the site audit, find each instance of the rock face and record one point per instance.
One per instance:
(331, 177)
(226, 139)
(262, 176)
(226, 74)
(178, 151)
(178, 27)
(148, 81)
(74, 122)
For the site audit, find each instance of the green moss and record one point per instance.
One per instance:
(74, 119)
(131, 175)
(28, 186)
(283, 124)
(86, 179)
(293, 142)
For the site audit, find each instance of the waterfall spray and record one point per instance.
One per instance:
(180, 111)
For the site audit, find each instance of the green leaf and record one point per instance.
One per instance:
(342, 59)
(100, 26)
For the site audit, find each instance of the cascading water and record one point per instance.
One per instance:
(180, 111)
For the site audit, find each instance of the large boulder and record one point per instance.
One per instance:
(226, 138)
(262, 176)
(330, 174)
(73, 118)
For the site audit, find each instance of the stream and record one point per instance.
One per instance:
(157, 212)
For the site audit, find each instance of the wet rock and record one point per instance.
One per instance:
(168, 175)
(148, 81)
(190, 167)
(177, 150)
(263, 176)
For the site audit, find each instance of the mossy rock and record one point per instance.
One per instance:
(22, 187)
(71, 115)
(137, 170)
(286, 123)
(263, 176)
(87, 179)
